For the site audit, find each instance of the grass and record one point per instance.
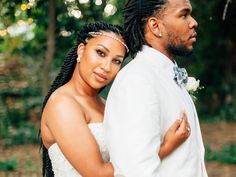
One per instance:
(8, 165)
(226, 155)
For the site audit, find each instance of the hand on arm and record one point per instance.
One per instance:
(175, 136)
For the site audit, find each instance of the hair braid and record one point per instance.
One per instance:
(135, 14)
(47, 165)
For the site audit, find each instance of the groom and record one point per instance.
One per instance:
(147, 96)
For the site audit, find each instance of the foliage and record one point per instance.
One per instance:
(20, 98)
(228, 110)
(226, 155)
(214, 58)
(8, 165)
(25, 133)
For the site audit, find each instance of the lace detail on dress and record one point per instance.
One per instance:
(61, 166)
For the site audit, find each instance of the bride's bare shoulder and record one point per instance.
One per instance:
(61, 103)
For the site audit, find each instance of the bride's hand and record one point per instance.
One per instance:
(175, 136)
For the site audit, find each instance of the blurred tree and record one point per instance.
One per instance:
(50, 45)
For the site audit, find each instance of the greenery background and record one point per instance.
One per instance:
(35, 36)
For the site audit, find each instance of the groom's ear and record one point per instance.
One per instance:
(80, 50)
(154, 26)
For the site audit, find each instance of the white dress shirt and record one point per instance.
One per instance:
(144, 101)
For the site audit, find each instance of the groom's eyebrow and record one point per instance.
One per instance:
(186, 10)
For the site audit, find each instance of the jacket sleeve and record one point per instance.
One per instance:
(132, 125)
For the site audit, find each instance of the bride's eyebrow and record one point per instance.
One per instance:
(101, 45)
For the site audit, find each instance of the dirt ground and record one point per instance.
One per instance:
(216, 134)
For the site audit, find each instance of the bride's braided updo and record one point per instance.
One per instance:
(66, 73)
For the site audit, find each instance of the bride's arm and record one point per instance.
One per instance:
(175, 136)
(66, 122)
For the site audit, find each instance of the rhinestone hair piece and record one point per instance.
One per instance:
(107, 35)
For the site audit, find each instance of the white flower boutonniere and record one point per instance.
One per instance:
(192, 85)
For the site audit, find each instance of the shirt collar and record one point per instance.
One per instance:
(158, 58)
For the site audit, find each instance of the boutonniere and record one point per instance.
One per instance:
(192, 86)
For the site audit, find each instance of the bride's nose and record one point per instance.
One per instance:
(106, 65)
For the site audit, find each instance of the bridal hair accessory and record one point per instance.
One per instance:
(108, 35)
(180, 75)
(78, 59)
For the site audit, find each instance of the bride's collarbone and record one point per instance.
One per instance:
(93, 116)
(92, 108)
(93, 113)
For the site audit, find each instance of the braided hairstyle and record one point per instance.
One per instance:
(136, 12)
(66, 73)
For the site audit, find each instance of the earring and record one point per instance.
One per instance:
(78, 59)
(160, 35)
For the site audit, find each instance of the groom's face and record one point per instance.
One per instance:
(179, 27)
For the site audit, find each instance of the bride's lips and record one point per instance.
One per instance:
(100, 77)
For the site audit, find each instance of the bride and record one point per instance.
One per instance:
(73, 141)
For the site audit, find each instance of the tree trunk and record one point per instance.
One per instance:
(230, 62)
(50, 45)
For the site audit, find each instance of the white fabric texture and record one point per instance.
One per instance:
(63, 168)
(144, 101)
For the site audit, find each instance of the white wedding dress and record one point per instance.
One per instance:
(60, 165)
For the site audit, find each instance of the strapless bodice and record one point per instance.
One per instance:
(61, 166)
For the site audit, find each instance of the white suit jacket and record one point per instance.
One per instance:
(144, 101)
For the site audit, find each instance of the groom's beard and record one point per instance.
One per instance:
(176, 46)
(180, 50)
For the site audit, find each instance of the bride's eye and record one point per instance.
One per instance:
(100, 53)
(117, 61)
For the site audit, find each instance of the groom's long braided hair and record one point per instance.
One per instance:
(66, 73)
(136, 12)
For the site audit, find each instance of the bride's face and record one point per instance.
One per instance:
(100, 59)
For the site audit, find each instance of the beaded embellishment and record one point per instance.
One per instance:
(107, 35)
